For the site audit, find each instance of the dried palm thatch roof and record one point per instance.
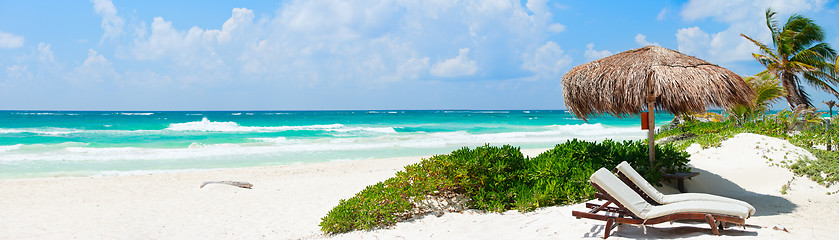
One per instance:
(618, 84)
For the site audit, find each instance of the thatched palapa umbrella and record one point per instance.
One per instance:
(651, 77)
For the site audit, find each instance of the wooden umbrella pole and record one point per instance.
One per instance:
(651, 129)
(651, 117)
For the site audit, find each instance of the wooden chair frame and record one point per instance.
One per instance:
(625, 216)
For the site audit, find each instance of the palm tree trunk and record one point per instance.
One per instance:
(793, 97)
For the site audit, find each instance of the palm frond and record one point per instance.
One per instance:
(821, 81)
(806, 32)
(763, 48)
(772, 25)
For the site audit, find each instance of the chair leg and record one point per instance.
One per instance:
(608, 229)
(713, 224)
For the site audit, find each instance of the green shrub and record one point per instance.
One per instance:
(496, 179)
(560, 175)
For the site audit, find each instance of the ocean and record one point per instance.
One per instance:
(104, 143)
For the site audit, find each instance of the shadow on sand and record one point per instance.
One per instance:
(765, 205)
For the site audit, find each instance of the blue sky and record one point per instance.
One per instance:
(336, 54)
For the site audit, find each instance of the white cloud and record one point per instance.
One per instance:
(148, 79)
(39, 65)
(732, 11)
(111, 22)
(8, 40)
(412, 68)
(556, 28)
(640, 39)
(455, 67)
(311, 43)
(95, 69)
(547, 61)
(236, 26)
(18, 72)
(693, 40)
(592, 54)
(741, 16)
(44, 54)
(662, 14)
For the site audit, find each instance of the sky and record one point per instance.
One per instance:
(348, 55)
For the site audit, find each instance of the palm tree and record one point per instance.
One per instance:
(800, 54)
(830, 104)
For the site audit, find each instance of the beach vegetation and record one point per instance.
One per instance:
(767, 90)
(496, 179)
(799, 55)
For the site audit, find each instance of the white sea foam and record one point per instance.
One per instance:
(7, 148)
(41, 131)
(47, 113)
(364, 129)
(136, 113)
(277, 140)
(205, 125)
(38, 113)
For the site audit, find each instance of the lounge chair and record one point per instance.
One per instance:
(635, 181)
(630, 208)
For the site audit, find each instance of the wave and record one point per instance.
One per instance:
(548, 134)
(331, 147)
(47, 113)
(7, 148)
(49, 131)
(205, 125)
(476, 112)
(136, 113)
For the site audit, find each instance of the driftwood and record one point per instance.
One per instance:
(231, 183)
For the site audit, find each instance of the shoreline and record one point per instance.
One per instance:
(527, 152)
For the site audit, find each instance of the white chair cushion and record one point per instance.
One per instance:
(711, 207)
(633, 202)
(661, 198)
(622, 193)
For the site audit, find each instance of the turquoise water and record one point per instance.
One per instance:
(61, 143)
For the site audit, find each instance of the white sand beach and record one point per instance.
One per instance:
(287, 202)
